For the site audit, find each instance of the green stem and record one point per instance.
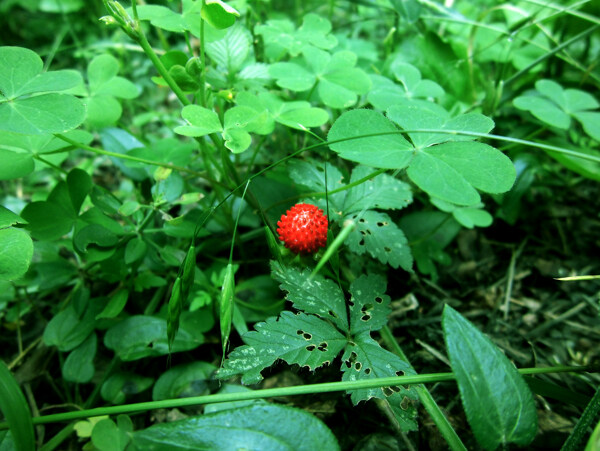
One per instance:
(326, 387)
(202, 63)
(438, 417)
(129, 157)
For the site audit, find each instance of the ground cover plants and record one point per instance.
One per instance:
(299, 225)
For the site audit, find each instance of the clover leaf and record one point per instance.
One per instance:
(443, 159)
(554, 105)
(337, 81)
(281, 37)
(30, 102)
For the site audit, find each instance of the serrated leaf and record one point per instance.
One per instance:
(311, 175)
(319, 296)
(300, 339)
(499, 405)
(376, 233)
(231, 51)
(383, 191)
(386, 150)
(369, 305)
(364, 359)
(259, 426)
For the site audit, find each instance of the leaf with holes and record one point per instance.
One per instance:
(376, 233)
(300, 339)
(382, 191)
(369, 305)
(319, 296)
(364, 359)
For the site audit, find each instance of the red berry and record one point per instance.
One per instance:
(303, 229)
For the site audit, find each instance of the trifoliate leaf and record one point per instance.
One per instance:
(382, 191)
(319, 296)
(369, 305)
(376, 233)
(300, 339)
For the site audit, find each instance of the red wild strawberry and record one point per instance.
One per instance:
(303, 229)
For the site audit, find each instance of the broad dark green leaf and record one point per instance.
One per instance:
(498, 403)
(259, 427)
(143, 336)
(115, 305)
(67, 329)
(79, 364)
(120, 384)
(189, 379)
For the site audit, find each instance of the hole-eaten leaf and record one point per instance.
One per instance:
(311, 348)
(357, 366)
(387, 391)
(367, 371)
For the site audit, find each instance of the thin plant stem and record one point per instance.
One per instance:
(327, 387)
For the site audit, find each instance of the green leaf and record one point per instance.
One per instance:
(364, 359)
(499, 405)
(231, 51)
(141, 336)
(8, 218)
(15, 164)
(202, 121)
(106, 436)
(298, 115)
(590, 120)
(319, 296)
(369, 305)
(382, 191)
(280, 36)
(93, 235)
(259, 426)
(419, 114)
(311, 174)
(409, 10)
(161, 17)
(387, 150)
(339, 82)
(189, 379)
(452, 171)
(226, 306)
(376, 233)
(120, 384)
(300, 339)
(16, 251)
(79, 364)
(79, 184)
(544, 109)
(115, 305)
(21, 76)
(67, 329)
(219, 14)
(16, 411)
